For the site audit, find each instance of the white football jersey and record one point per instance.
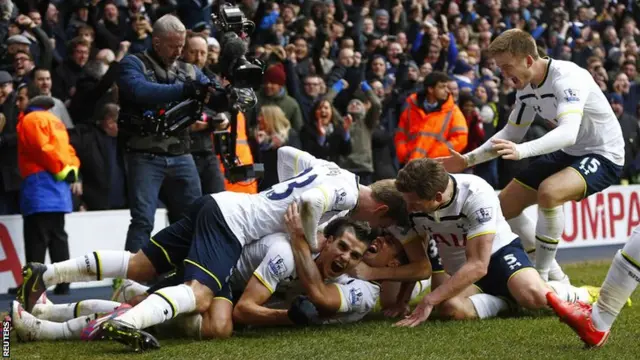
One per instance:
(253, 216)
(270, 260)
(474, 210)
(568, 88)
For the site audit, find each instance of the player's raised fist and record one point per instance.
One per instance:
(453, 163)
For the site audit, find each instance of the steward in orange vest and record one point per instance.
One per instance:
(431, 122)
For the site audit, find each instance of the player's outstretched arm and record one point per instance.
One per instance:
(477, 264)
(418, 268)
(326, 297)
(520, 120)
(250, 309)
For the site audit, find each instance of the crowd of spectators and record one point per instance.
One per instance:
(368, 84)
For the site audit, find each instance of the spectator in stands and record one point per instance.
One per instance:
(42, 82)
(22, 67)
(631, 133)
(327, 137)
(9, 175)
(274, 93)
(364, 111)
(54, 26)
(103, 175)
(113, 27)
(140, 35)
(432, 123)
(68, 73)
(274, 131)
(50, 169)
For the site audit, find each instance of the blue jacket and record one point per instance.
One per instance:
(41, 193)
(133, 84)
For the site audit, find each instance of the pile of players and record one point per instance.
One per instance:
(319, 248)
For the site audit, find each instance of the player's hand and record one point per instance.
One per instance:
(397, 310)
(293, 221)
(508, 150)
(453, 163)
(419, 315)
(362, 271)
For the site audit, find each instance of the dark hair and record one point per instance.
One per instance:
(337, 227)
(424, 177)
(628, 62)
(435, 77)
(75, 42)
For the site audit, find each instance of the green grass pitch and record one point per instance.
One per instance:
(528, 336)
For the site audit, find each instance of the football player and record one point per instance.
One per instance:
(582, 155)
(208, 241)
(462, 214)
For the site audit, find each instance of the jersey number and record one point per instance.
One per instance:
(512, 261)
(292, 184)
(589, 165)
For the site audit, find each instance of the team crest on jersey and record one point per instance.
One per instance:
(572, 95)
(355, 296)
(277, 266)
(341, 197)
(483, 215)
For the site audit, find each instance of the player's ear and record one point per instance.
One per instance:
(438, 196)
(529, 61)
(381, 210)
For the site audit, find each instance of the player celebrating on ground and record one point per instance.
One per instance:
(593, 324)
(583, 155)
(462, 214)
(209, 241)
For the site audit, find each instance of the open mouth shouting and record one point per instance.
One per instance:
(337, 267)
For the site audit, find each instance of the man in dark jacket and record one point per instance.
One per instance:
(631, 134)
(103, 175)
(67, 74)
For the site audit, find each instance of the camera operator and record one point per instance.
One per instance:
(211, 178)
(151, 83)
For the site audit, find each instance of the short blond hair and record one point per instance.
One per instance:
(276, 121)
(514, 42)
(385, 192)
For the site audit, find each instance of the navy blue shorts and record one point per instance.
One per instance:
(434, 257)
(505, 263)
(597, 171)
(201, 242)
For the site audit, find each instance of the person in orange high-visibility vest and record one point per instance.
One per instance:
(49, 168)
(243, 151)
(431, 122)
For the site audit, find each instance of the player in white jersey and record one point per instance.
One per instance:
(462, 214)
(266, 278)
(593, 322)
(582, 155)
(208, 241)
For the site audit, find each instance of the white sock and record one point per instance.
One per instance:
(50, 330)
(488, 306)
(160, 306)
(64, 312)
(184, 325)
(621, 281)
(525, 228)
(570, 293)
(97, 265)
(548, 232)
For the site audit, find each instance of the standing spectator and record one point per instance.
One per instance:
(103, 175)
(140, 35)
(49, 166)
(365, 112)
(631, 133)
(9, 175)
(113, 28)
(42, 81)
(274, 131)
(327, 137)
(273, 93)
(66, 75)
(432, 123)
